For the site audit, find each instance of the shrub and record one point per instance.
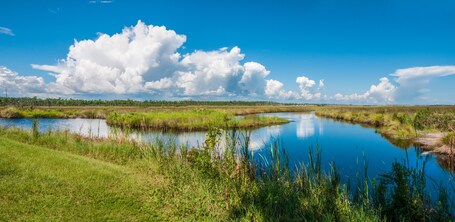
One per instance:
(11, 113)
(449, 139)
(421, 119)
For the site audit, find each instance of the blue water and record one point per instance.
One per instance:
(348, 145)
(343, 143)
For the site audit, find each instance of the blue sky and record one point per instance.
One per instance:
(348, 44)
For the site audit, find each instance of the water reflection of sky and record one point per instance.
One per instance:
(307, 126)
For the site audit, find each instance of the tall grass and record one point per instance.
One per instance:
(35, 129)
(102, 111)
(14, 112)
(397, 123)
(231, 183)
(199, 119)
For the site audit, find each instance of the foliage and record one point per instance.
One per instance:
(427, 119)
(197, 119)
(401, 195)
(449, 140)
(127, 180)
(395, 122)
(102, 111)
(34, 101)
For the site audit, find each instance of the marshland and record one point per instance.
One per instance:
(295, 110)
(252, 161)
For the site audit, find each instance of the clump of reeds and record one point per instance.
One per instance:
(197, 119)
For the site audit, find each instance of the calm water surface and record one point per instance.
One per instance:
(343, 143)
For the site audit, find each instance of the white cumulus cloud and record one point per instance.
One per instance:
(211, 73)
(382, 93)
(274, 90)
(253, 80)
(305, 85)
(308, 89)
(145, 59)
(410, 87)
(121, 63)
(414, 81)
(17, 85)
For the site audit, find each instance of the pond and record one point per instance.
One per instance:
(343, 143)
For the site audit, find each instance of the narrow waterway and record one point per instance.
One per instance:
(348, 145)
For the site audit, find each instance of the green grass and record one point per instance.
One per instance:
(102, 111)
(13, 112)
(202, 119)
(399, 123)
(60, 176)
(45, 185)
(449, 140)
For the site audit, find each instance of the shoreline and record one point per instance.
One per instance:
(429, 141)
(432, 142)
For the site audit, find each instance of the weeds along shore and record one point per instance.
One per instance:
(190, 120)
(163, 181)
(179, 120)
(402, 123)
(101, 112)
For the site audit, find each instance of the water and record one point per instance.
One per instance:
(343, 143)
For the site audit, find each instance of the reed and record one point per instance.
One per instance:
(400, 123)
(102, 111)
(202, 119)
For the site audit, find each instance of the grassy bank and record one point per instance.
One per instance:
(163, 118)
(62, 176)
(14, 112)
(189, 120)
(102, 111)
(39, 184)
(400, 122)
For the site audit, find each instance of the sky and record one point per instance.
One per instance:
(310, 51)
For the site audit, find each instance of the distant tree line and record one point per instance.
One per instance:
(34, 101)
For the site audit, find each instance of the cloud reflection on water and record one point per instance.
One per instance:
(307, 124)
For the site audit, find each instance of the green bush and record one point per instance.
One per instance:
(449, 139)
(427, 119)
(11, 112)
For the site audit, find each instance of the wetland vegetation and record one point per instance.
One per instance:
(59, 175)
(63, 176)
(399, 122)
(189, 120)
(165, 117)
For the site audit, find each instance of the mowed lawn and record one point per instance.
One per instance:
(40, 184)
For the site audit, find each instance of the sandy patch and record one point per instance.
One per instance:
(430, 140)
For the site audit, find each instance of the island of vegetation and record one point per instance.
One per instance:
(190, 120)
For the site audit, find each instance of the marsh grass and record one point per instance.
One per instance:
(101, 112)
(396, 123)
(192, 120)
(15, 112)
(214, 182)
